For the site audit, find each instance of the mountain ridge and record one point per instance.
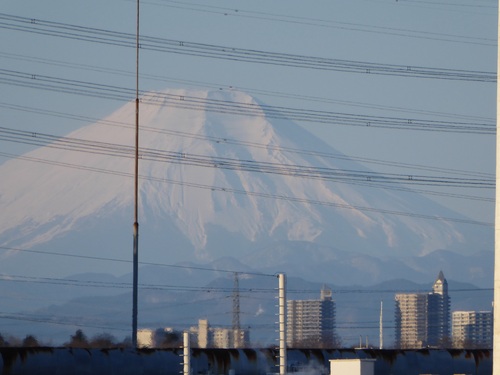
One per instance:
(199, 199)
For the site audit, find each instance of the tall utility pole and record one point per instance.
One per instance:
(381, 327)
(496, 286)
(282, 322)
(136, 193)
(186, 354)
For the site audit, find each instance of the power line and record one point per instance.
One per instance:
(197, 268)
(255, 194)
(229, 141)
(307, 21)
(228, 290)
(231, 88)
(57, 320)
(31, 139)
(108, 37)
(97, 90)
(453, 4)
(123, 285)
(323, 173)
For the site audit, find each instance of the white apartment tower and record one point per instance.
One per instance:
(311, 323)
(472, 329)
(423, 319)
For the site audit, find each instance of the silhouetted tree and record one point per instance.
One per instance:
(3, 343)
(30, 341)
(103, 340)
(78, 340)
(126, 343)
(169, 340)
(14, 341)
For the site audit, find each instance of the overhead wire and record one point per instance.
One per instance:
(175, 157)
(191, 102)
(216, 289)
(255, 194)
(308, 21)
(143, 263)
(31, 138)
(115, 89)
(475, 4)
(109, 37)
(232, 88)
(58, 320)
(229, 141)
(124, 285)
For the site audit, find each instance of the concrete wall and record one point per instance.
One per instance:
(62, 361)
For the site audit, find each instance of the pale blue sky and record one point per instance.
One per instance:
(451, 34)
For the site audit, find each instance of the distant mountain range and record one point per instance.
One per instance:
(253, 187)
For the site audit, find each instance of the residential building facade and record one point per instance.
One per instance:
(311, 323)
(158, 338)
(411, 320)
(218, 337)
(472, 329)
(423, 319)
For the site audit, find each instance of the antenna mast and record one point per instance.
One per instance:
(496, 282)
(136, 194)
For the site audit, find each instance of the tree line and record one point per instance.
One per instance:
(77, 340)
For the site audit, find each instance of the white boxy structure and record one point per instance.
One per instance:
(352, 366)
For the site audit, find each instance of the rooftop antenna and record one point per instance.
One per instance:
(136, 192)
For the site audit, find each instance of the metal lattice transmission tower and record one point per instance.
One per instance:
(236, 303)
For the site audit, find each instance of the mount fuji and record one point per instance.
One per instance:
(257, 188)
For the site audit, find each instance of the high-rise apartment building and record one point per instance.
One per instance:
(411, 320)
(311, 323)
(439, 313)
(472, 329)
(423, 319)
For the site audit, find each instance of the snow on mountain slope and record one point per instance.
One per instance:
(206, 212)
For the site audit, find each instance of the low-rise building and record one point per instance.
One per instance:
(158, 338)
(219, 337)
(472, 329)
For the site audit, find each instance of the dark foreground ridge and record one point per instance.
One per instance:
(76, 361)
